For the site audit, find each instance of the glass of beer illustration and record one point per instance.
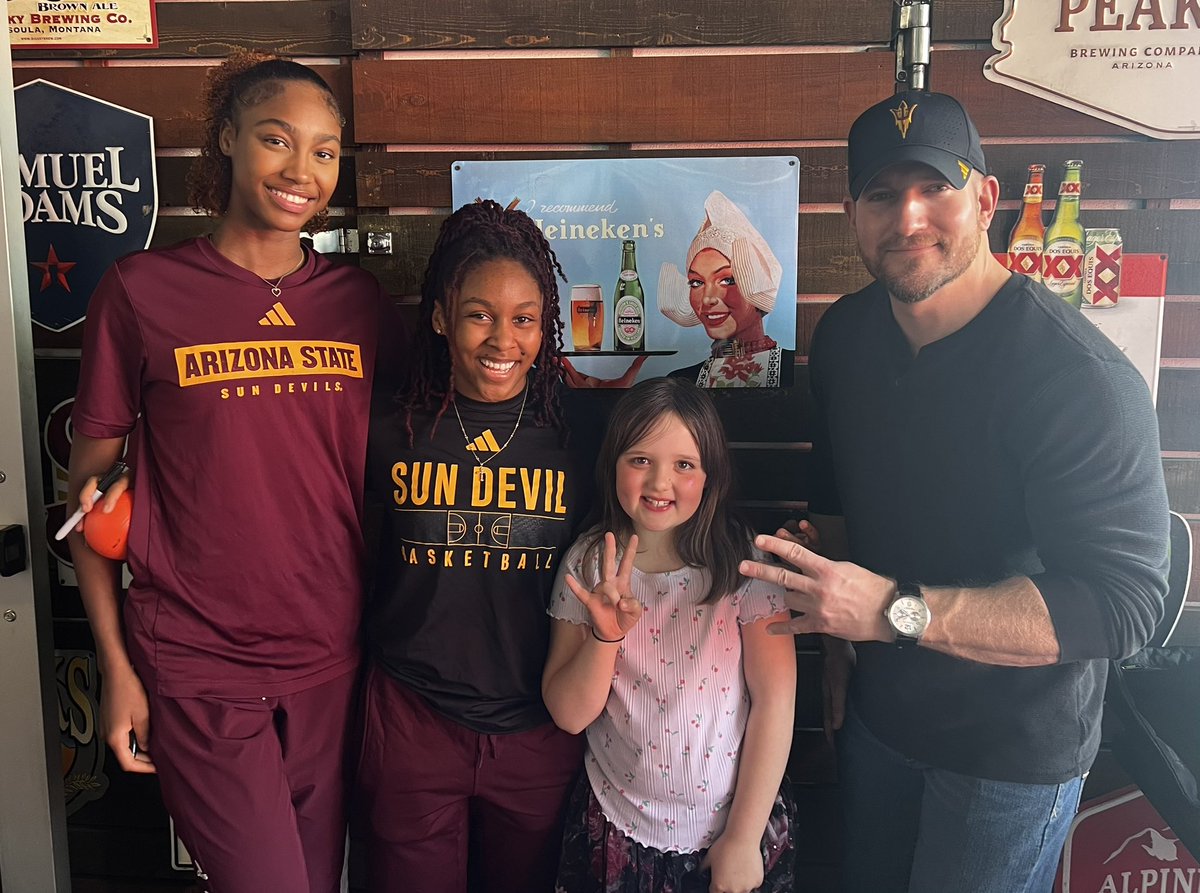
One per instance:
(587, 316)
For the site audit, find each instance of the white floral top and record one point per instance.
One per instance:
(662, 757)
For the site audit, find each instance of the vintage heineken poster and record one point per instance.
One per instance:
(675, 266)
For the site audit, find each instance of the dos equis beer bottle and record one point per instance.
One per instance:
(1025, 240)
(1062, 256)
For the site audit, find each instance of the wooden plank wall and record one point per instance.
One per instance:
(424, 84)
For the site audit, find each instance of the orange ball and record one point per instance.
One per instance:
(108, 534)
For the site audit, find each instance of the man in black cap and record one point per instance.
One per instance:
(989, 464)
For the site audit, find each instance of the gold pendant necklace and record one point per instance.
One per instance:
(473, 446)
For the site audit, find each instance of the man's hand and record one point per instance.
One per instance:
(836, 598)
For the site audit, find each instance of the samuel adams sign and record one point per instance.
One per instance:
(88, 194)
(1135, 63)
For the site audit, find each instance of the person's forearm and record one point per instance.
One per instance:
(1006, 624)
(769, 667)
(576, 692)
(763, 760)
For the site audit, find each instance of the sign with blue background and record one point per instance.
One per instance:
(715, 248)
(88, 194)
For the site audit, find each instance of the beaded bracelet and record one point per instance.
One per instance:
(606, 641)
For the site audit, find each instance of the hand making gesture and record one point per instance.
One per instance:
(612, 608)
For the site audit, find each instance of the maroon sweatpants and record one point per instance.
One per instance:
(435, 795)
(257, 786)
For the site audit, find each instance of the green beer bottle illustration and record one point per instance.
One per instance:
(629, 306)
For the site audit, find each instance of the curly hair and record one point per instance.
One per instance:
(243, 80)
(472, 235)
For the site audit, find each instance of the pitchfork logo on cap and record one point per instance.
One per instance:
(903, 115)
(966, 170)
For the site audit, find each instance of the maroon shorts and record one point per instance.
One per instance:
(445, 809)
(256, 786)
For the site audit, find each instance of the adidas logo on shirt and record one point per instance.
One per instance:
(484, 443)
(277, 316)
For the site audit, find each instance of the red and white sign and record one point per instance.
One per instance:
(1121, 845)
(1132, 62)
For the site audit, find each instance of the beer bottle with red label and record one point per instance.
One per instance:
(1062, 253)
(1025, 240)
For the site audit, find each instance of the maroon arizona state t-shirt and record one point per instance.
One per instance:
(245, 544)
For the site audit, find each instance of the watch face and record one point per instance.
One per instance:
(909, 616)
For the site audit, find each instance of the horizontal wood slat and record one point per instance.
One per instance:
(170, 94)
(1128, 170)
(654, 99)
(501, 24)
(189, 29)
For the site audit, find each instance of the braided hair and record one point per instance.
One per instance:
(243, 80)
(471, 236)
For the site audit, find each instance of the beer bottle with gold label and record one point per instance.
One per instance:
(1025, 240)
(1062, 253)
(629, 307)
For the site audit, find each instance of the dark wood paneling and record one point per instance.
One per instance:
(172, 182)
(171, 95)
(1155, 170)
(500, 24)
(1141, 169)
(1179, 408)
(775, 474)
(1181, 328)
(606, 100)
(1183, 484)
(206, 30)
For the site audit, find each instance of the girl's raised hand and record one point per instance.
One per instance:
(611, 605)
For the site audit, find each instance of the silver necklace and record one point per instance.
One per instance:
(495, 453)
(276, 291)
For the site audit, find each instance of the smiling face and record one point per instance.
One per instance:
(284, 153)
(493, 328)
(660, 480)
(718, 302)
(916, 232)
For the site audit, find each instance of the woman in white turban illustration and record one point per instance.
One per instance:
(730, 285)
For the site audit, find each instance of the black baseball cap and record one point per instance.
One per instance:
(931, 128)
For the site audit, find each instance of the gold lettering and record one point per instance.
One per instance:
(559, 508)
(446, 485)
(481, 486)
(400, 494)
(506, 489)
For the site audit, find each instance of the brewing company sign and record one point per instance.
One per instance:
(88, 194)
(1132, 62)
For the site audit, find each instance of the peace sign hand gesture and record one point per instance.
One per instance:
(611, 605)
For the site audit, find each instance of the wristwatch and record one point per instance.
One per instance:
(908, 615)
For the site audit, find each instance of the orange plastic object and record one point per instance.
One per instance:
(108, 534)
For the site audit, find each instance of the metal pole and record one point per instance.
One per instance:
(911, 39)
(33, 831)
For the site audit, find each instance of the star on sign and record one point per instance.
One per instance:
(61, 268)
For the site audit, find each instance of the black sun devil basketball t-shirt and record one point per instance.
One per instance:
(473, 527)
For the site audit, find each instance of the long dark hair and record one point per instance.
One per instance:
(474, 234)
(715, 537)
(243, 80)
